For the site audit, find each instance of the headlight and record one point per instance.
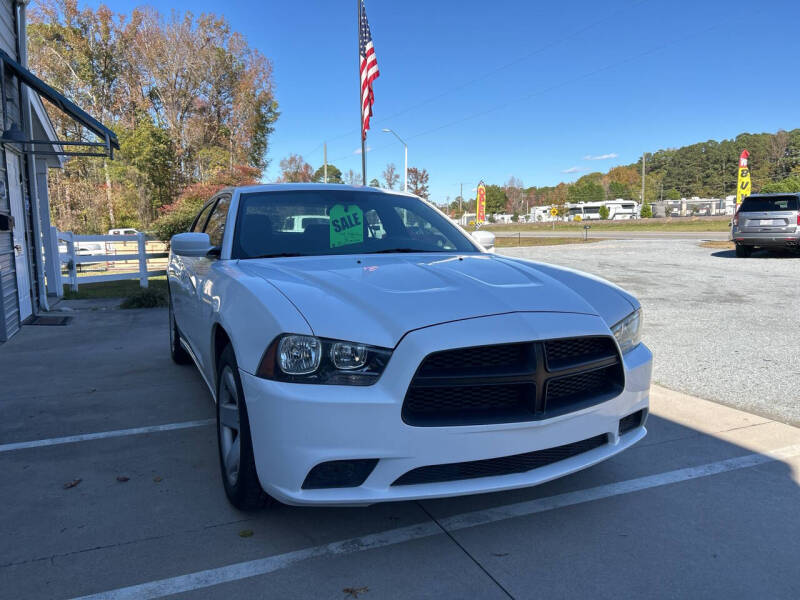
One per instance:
(299, 354)
(629, 331)
(309, 359)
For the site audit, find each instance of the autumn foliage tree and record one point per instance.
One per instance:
(295, 170)
(188, 98)
(418, 182)
(390, 176)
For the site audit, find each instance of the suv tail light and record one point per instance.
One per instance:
(798, 218)
(736, 217)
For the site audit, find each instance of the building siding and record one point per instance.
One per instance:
(9, 302)
(8, 37)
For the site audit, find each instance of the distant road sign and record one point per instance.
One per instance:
(554, 212)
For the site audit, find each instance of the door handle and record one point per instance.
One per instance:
(18, 249)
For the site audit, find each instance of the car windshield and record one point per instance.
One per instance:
(768, 203)
(340, 222)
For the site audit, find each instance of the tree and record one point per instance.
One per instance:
(418, 182)
(514, 190)
(187, 97)
(178, 216)
(351, 178)
(586, 191)
(334, 175)
(646, 211)
(619, 190)
(390, 177)
(672, 194)
(790, 185)
(496, 200)
(374, 183)
(558, 198)
(604, 212)
(295, 170)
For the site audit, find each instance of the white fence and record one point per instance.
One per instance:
(98, 249)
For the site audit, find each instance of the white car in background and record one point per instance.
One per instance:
(384, 355)
(298, 223)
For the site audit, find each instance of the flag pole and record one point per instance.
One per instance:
(361, 129)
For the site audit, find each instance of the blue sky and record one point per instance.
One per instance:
(487, 90)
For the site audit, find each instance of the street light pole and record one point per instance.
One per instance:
(405, 164)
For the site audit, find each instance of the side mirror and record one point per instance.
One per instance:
(191, 244)
(485, 239)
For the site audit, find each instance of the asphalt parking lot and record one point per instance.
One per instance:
(720, 327)
(111, 487)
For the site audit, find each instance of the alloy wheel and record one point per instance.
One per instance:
(229, 428)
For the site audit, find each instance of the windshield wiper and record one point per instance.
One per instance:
(280, 255)
(399, 251)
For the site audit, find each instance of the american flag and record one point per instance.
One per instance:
(368, 65)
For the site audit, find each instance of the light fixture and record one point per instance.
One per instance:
(13, 135)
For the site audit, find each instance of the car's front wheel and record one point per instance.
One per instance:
(236, 459)
(743, 251)
(176, 350)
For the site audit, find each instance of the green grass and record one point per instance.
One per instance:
(671, 224)
(512, 242)
(125, 288)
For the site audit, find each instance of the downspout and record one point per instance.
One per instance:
(25, 107)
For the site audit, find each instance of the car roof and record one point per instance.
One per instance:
(773, 194)
(293, 187)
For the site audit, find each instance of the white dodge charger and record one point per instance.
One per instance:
(360, 348)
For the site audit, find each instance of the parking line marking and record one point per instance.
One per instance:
(270, 564)
(85, 437)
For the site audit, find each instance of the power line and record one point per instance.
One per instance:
(563, 83)
(502, 67)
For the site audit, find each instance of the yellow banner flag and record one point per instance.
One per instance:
(480, 205)
(743, 181)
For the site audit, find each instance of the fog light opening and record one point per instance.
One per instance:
(339, 474)
(632, 421)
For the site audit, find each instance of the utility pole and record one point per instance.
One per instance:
(644, 154)
(460, 201)
(325, 162)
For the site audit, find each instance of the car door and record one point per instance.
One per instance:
(203, 301)
(182, 279)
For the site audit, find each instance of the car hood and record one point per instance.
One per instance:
(376, 299)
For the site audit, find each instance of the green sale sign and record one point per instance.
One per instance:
(347, 225)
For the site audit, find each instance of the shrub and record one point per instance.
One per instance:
(647, 211)
(604, 212)
(789, 185)
(146, 298)
(176, 221)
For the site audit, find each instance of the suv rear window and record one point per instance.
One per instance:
(768, 203)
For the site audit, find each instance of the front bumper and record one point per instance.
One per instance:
(295, 427)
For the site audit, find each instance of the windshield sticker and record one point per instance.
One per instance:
(347, 225)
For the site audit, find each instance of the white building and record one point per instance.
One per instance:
(28, 255)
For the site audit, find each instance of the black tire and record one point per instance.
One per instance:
(176, 350)
(743, 251)
(243, 489)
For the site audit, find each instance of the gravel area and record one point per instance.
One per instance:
(721, 328)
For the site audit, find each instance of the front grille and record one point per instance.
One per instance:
(513, 382)
(473, 404)
(505, 465)
(505, 356)
(570, 351)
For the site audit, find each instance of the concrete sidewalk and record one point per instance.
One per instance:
(705, 506)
